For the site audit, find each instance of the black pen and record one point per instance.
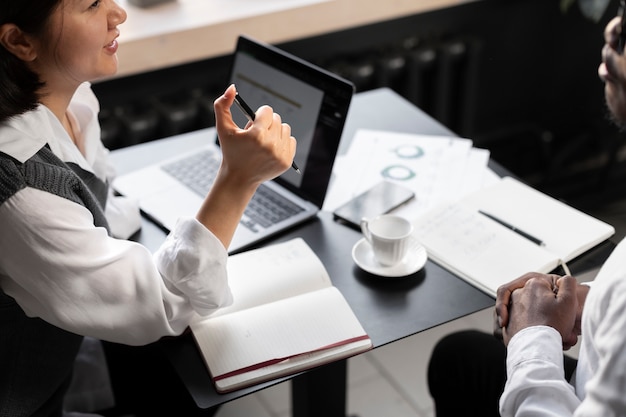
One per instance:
(513, 228)
(243, 106)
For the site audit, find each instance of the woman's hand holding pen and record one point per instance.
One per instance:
(261, 151)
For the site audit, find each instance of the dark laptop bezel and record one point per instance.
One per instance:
(338, 93)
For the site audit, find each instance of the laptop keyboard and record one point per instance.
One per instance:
(196, 171)
(266, 207)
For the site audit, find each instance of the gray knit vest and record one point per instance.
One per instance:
(36, 358)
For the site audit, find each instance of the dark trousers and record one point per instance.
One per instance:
(467, 373)
(145, 384)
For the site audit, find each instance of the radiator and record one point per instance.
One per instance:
(440, 78)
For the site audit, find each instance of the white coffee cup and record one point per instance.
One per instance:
(388, 235)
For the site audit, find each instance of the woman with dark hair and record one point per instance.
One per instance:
(66, 269)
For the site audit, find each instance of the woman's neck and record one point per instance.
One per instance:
(58, 104)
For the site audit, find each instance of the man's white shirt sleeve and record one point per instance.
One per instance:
(536, 384)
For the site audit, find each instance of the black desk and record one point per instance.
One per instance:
(389, 310)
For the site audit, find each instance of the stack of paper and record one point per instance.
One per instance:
(436, 168)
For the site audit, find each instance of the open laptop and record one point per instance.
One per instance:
(312, 100)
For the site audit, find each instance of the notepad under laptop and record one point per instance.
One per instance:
(313, 101)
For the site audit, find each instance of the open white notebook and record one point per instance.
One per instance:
(488, 254)
(287, 317)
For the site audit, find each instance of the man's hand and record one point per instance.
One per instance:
(542, 301)
(503, 299)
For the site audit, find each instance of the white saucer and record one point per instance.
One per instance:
(413, 261)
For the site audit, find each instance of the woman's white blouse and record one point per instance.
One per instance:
(58, 266)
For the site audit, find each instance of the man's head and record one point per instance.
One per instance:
(612, 71)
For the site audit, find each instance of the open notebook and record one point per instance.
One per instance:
(313, 101)
(287, 316)
(532, 232)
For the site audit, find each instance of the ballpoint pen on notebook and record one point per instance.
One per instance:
(513, 228)
(243, 106)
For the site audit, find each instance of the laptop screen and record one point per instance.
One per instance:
(313, 101)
